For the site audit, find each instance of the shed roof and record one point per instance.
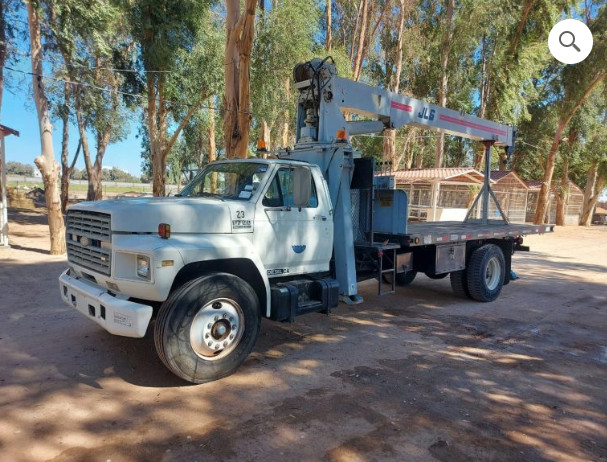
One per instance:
(5, 131)
(498, 175)
(536, 185)
(447, 175)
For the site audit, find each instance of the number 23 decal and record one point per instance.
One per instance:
(240, 214)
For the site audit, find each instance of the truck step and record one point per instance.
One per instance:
(296, 297)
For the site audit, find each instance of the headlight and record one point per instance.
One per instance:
(143, 267)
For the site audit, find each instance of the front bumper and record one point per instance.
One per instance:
(117, 316)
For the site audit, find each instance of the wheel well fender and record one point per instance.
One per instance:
(240, 267)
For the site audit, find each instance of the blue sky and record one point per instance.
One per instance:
(19, 113)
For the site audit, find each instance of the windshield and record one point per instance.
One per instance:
(237, 180)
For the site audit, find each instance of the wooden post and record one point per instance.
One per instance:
(4, 131)
(3, 203)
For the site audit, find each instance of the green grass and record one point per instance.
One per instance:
(78, 188)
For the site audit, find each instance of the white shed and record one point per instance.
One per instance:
(4, 131)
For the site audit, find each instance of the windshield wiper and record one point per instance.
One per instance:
(213, 195)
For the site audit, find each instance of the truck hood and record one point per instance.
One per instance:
(184, 214)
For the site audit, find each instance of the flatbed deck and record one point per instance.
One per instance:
(442, 232)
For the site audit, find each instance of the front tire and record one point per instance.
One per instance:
(206, 328)
(486, 272)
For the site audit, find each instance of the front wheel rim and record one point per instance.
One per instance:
(493, 273)
(217, 329)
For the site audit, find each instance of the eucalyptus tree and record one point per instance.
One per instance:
(579, 82)
(46, 163)
(240, 32)
(91, 38)
(285, 35)
(7, 37)
(593, 164)
(165, 31)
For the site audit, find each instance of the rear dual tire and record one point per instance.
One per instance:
(483, 279)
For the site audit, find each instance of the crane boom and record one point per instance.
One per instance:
(324, 97)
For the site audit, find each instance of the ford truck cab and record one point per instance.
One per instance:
(212, 250)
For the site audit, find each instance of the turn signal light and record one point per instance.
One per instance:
(341, 135)
(164, 230)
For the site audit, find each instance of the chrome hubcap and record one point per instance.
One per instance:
(492, 273)
(216, 329)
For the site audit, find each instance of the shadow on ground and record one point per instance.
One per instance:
(420, 375)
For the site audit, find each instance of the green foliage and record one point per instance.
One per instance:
(284, 37)
(164, 27)
(107, 174)
(18, 168)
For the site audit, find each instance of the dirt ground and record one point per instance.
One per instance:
(416, 376)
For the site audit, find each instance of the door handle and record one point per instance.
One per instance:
(323, 218)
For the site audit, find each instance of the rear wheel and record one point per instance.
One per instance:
(207, 327)
(459, 283)
(436, 276)
(486, 272)
(402, 279)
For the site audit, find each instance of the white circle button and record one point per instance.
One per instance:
(570, 41)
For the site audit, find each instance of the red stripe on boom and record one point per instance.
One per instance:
(465, 123)
(402, 107)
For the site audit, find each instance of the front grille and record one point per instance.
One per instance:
(89, 237)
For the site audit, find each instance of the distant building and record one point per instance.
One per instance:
(573, 206)
(511, 192)
(439, 194)
(4, 132)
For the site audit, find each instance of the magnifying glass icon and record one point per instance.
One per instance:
(572, 44)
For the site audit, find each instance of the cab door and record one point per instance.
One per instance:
(293, 240)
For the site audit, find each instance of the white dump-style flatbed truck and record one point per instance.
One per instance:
(282, 236)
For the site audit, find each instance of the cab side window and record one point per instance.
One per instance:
(280, 191)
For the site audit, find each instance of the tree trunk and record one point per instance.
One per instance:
(245, 45)
(265, 136)
(520, 29)
(390, 135)
(158, 176)
(65, 169)
(159, 167)
(358, 56)
(563, 195)
(46, 163)
(92, 177)
(442, 88)
(329, 18)
(95, 185)
(356, 34)
(544, 196)
(407, 152)
(66, 173)
(591, 194)
(3, 48)
(286, 126)
(237, 101)
(212, 145)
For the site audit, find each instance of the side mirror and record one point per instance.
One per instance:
(302, 186)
